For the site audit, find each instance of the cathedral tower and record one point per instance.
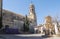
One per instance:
(32, 15)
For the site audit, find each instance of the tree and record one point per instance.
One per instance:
(26, 25)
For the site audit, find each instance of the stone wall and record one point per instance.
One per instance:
(9, 17)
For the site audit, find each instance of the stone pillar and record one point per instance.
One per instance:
(56, 29)
(41, 30)
(35, 30)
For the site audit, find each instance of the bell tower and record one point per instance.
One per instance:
(32, 15)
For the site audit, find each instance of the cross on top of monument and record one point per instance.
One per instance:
(31, 2)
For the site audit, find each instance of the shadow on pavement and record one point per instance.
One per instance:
(2, 37)
(46, 36)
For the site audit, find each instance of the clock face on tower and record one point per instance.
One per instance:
(31, 9)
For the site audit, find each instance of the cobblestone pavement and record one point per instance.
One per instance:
(27, 36)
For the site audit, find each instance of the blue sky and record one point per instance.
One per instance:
(43, 8)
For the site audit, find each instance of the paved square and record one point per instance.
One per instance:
(26, 36)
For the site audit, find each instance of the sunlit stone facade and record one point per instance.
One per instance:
(32, 15)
